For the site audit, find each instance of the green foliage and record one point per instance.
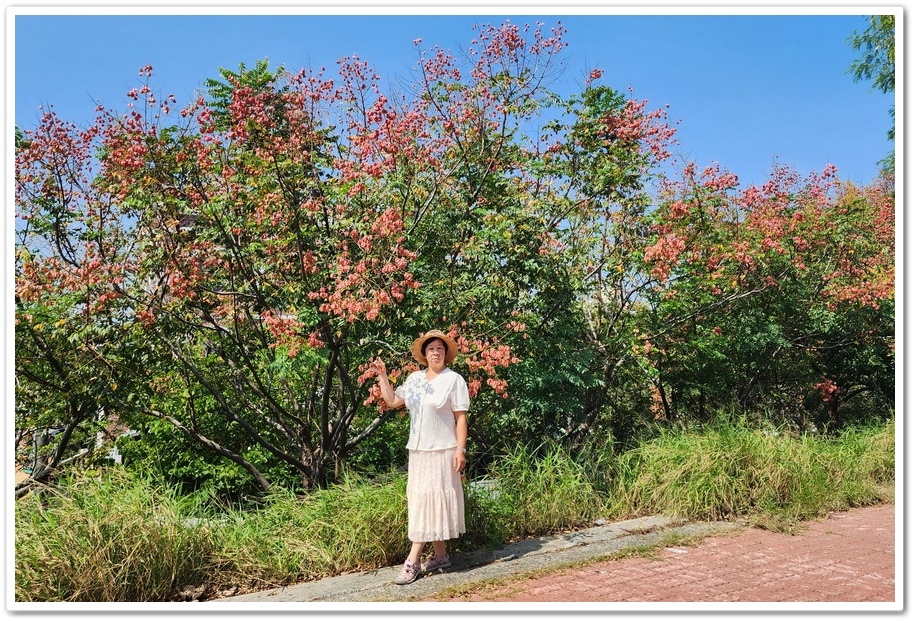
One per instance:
(349, 526)
(758, 306)
(878, 52)
(546, 488)
(107, 539)
(383, 450)
(878, 47)
(161, 451)
(550, 386)
(729, 470)
(260, 79)
(114, 537)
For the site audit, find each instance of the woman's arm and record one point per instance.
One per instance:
(461, 431)
(381, 375)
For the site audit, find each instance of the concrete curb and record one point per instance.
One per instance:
(480, 566)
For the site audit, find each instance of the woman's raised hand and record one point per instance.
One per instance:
(378, 367)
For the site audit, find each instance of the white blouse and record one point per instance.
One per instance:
(432, 406)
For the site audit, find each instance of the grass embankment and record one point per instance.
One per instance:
(126, 539)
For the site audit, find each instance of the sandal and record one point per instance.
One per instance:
(409, 573)
(436, 562)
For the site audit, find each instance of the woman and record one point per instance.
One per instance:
(438, 401)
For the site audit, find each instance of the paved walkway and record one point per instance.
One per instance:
(847, 561)
(847, 557)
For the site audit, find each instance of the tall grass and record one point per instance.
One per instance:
(347, 527)
(543, 490)
(770, 477)
(111, 540)
(125, 538)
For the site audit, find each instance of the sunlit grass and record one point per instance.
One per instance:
(771, 478)
(119, 537)
(111, 540)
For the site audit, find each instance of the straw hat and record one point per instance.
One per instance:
(451, 347)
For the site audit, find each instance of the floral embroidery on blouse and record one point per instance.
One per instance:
(415, 390)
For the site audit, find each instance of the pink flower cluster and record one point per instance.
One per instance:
(664, 255)
(484, 357)
(827, 388)
(362, 287)
(286, 330)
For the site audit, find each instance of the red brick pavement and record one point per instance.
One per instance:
(847, 557)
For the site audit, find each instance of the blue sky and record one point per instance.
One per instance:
(747, 90)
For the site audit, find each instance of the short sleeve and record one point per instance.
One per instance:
(461, 401)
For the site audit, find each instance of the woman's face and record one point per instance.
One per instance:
(435, 354)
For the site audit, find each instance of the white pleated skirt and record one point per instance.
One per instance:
(435, 499)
